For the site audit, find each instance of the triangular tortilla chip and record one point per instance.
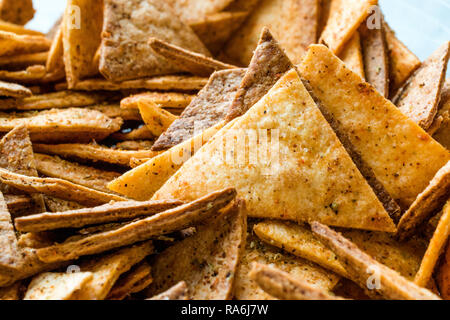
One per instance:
(30, 75)
(12, 44)
(345, 18)
(268, 65)
(375, 127)
(156, 119)
(169, 100)
(23, 60)
(129, 282)
(376, 58)
(435, 248)
(272, 190)
(194, 63)
(125, 53)
(427, 204)
(17, 11)
(207, 261)
(419, 97)
(81, 32)
(293, 22)
(442, 135)
(14, 90)
(352, 55)
(210, 107)
(361, 267)
(177, 292)
(192, 10)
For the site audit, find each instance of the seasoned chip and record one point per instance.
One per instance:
(115, 111)
(130, 282)
(59, 205)
(32, 74)
(17, 28)
(157, 120)
(13, 90)
(352, 56)
(177, 292)
(443, 276)
(191, 10)
(167, 100)
(442, 135)
(16, 11)
(12, 44)
(10, 258)
(55, 60)
(20, 61)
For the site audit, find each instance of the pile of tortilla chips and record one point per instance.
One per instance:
(223, 149)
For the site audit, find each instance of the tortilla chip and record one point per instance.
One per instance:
(352, 56)
(442, 135)
(17, 11)
(30, 75)
(17, 29)
(427, 204)
(345, 18)
(156, 119)
(376, 58)
(281, 285)
(12, 44)
(402, 62)
(23, 60)
(214, 30)
(403, 257)
(127, 284)
(419, 97)
(293, 22)
(283, 192)
(81, 42)
(210, 107)
(208, 260)
(435, 248)
(13, 90)
(410, 158)
(177, 292)
(361, 267)
(55, 60)
(164, 99)
(166, 222)
(125, 53)
(268, 65)
(93, 152)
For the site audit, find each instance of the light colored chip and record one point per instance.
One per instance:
(156, 119)
(81, 41)
(362, 268)
(208, 260)
(17, 11)
(443, 134)
(169, 100)
(410, 157)
(163, 223)
(13, 90)
(419, 97)
(344, 19)
(177, 292)
(55, 60)
(129, 282)
(23, 60)
(191, 10)
(125, 53)
(31, 74)
(12, 44)
(17, 28)
(352, 56)
(291, 178)
(435, 248)
(293, 22)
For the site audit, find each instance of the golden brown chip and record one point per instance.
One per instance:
(142, 132)
(442, 135)
(129, 282)
(352, 56)
(55, 60)
(59, 205)
(443, 275)
(12, 44)
(135, 145)
(31, 74)
(19, 204)
(157, 120)
(177, 292)
(13, 90)
(17, 11)
(191, 10)
(167, 100)
(10, 258)
(23, 60)
(13, 292)
(17, 28)
(115, 111)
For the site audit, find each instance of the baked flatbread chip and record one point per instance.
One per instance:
(65, 125)
(194, 63)
(192, 10)
(14, 90)
(163, 223)
(352, 56)
(269, 63)
(18, 204)
(90, 177)
(442, 135)
(80, 42)
(169, 100)
(12, 44)
(419, 97)
(10, 258)
(93, 152)
(344, 19)
(111, 212)
(290, 191)
(136, 184)
(443, 275)
(325, 7)
(210, 107)
(207, 261)
(59, 205)
(11, 293)
(17, 11)
(177, 292)
(115, 111)
(403, 257)
(281, 285)
(376, 58)
(125, 53)
(375, 127)
(214, 30)
(402, 62)
(142, 132)
(294, 23)
(435, 248)
(155, 118)
(17, 28)
(427, 204)
(361, 267)
(55, 60)
(23, 60)
(131, 281)
(31, 74)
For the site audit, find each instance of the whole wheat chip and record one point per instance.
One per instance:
(17, 29)
(93, 152)
(32, 74)
(293, 22)
(435, 248)
(165, 99)
(13, 90)
(402, 62)
(16, 11)
(210, 107)
(80, 42)
(127, 284)
(427, 204)
(194, 63)
(208, 260)
(12, 44)
(157, 120)
(442, 135)
(419, 97)
(65, 125)
(177, 292)
(23, 60)
(352, 56)
(281, 285)
(55, 60)
(269, 63)
(214, 30)
(362, 267)
(411, 157)
(376, 57)
(125, 53)
(345, 18)
(166, 222)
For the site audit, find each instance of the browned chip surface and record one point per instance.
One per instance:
(352, 56)
(29, 75)
(442, 135)
(191, 10)
(23, 60)
(13, 90)
(164, 99)
(129, 282)
(12, 44)
(17, 11)
(177, 292)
